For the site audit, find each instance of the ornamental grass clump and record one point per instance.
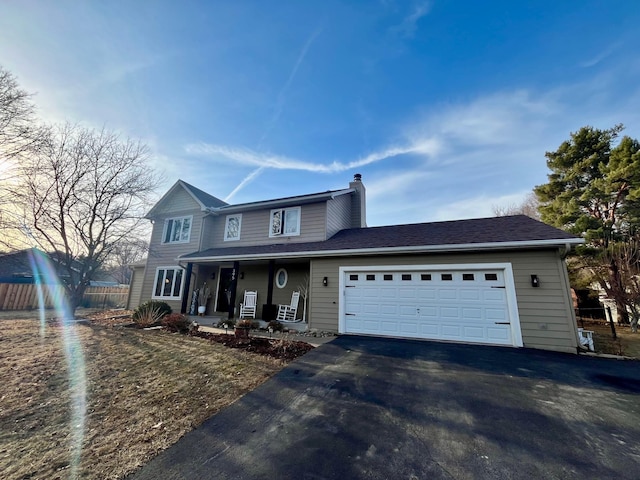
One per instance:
(150, 313)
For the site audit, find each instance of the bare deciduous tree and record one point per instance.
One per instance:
(81, 196)
(19, 132)
(124, 254)
(528, 207)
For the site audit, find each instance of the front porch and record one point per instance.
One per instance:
(275, 281)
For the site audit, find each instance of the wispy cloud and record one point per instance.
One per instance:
(245, 181)
(409, 24)
(249, 157)
(596, 59)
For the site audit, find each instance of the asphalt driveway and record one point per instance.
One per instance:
(367, 408)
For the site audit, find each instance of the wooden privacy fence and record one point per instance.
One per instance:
(17, 296)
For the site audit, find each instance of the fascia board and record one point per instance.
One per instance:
(280, 202)
(396, 250)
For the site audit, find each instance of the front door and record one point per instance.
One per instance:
(224, 290)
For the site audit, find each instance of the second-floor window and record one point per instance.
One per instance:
(232, 227)
(285, 221)
(177, 230)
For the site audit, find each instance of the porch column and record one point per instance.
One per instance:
(232, 288)
(272, 267)
(185, 289)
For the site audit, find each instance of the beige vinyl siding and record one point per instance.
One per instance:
(135, 287)
(546, 315)
(338, 214)
(255, 228)
(180, 201)
(165, 254)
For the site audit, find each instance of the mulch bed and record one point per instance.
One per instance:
(282, 349)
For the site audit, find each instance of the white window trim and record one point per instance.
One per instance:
(155, 283)
(227, 238)
(284, 213)
(166, 226)
(286, 277)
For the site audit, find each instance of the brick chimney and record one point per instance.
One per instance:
(358, 202)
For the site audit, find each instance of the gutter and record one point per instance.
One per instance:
(392, 250)
(293, 201)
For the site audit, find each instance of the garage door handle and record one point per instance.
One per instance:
(502, 323)
(350, 314)
(492, 286)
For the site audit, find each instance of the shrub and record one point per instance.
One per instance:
(275, 325)
(177, 322)
(150, 313)
(230, 323)
(244, 324)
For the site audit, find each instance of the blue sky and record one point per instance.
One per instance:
(446, 108)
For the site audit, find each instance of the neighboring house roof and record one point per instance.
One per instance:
(518, 231)
(15, 267)
(203, 199)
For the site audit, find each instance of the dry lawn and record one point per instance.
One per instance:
(145, 389)
(626, 343)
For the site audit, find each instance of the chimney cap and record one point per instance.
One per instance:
(357, 177)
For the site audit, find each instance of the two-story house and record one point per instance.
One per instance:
(499, 280)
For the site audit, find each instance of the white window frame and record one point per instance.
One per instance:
(170, 223)
(282, 231)
(228, 237)
(162, 272)
(277, 278)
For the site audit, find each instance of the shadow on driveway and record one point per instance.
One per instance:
(372, 408)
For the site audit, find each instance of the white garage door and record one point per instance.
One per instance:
(465, 304)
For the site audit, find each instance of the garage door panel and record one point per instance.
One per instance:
(472, 313)
(494, 295)
(477, 333)
(427, 294)
(470, 294)
(389, 327)
(451, 331)
(409, 327)
(447, 294)
(467, 306)
(495, 314)
(449, 312)
(389, 308)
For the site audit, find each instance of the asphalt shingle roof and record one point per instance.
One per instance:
(206, 199)
(517, 228)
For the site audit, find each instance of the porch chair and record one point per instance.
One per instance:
(248, 306)
(288, 312)
(586, 338)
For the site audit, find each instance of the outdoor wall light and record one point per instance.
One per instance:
(534, 281)
(241, 275)
(213, 276)
(325, 281)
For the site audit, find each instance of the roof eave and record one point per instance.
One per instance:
(557, 243)
(279, 202)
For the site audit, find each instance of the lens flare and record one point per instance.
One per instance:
(47, 282)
